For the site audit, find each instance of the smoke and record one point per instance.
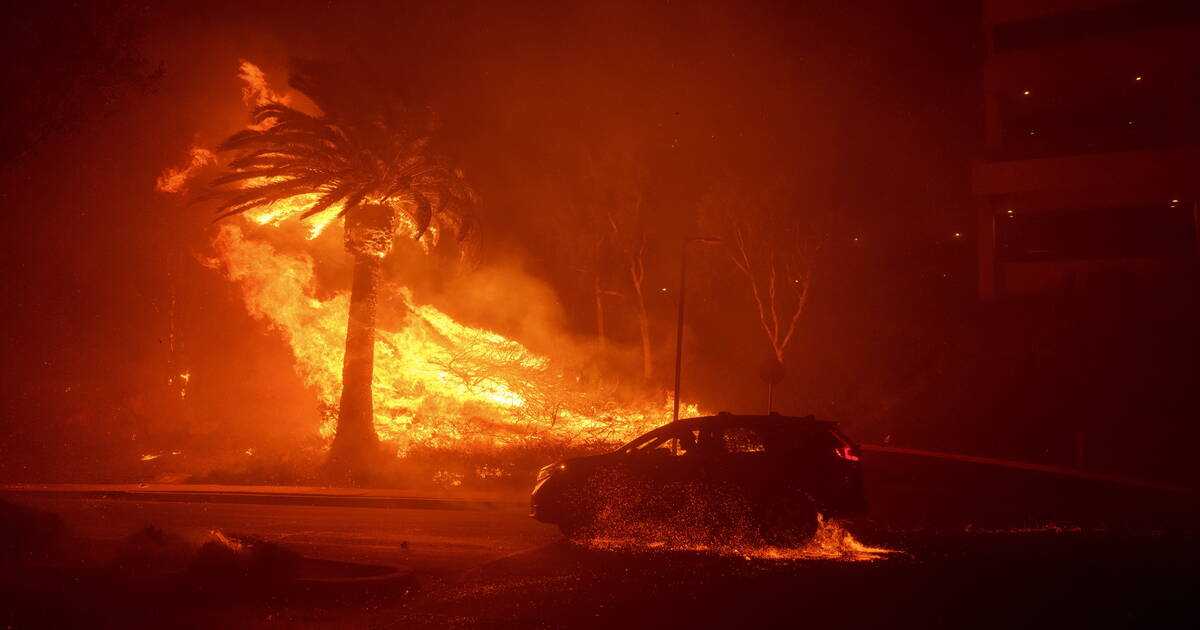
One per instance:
(109, 306)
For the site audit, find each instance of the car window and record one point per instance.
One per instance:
(668, 446)
(643, 443)
(675, 443)
(686, 443)
(742, 440)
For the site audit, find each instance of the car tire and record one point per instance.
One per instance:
(789, 522)
(575, 529)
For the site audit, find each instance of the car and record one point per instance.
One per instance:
(771, 473)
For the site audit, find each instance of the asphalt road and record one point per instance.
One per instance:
(495, 567)
(433, 540)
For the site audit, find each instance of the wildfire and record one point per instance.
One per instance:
(257, 91)
(275, 213)
(437, 382)
(173, 180)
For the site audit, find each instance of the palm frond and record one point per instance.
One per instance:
(328, 199)
(361, 149)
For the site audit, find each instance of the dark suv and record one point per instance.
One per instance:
(774, 473)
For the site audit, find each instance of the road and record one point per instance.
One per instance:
(492, 566)
(433, 540)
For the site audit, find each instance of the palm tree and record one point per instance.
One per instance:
(371, 160)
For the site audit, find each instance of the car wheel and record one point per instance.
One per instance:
(575, 529)
(789, 522)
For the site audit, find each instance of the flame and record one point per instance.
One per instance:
(257, 92)
(438, 382)
(174, 180)
(277, 212)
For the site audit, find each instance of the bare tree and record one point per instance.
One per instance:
(619, 197)
(630, 236)
(779, 279)
(586, 243)
(776, 245)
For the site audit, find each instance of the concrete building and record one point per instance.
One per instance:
(1092, 136)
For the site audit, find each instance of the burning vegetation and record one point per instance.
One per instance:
(423, 379)
(437, 382)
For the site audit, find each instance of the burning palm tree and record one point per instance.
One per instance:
(370, 161)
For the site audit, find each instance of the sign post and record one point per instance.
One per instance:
(771, 372)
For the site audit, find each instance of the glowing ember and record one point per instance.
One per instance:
(181, 382)
(219, 537)
(831, 542)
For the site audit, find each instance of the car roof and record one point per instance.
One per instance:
(725, 418)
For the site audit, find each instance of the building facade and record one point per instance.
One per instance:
(1091, 171)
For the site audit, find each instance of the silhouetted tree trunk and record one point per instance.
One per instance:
(637, 275)
(630, 236)
(600, 340)
(601, 336)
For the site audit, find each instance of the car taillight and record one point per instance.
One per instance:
(847, 453)
(845, 449)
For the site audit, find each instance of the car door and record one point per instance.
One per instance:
(740, 466)
(665, 474)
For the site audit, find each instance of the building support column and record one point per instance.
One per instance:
(987, 249)
(1196, 225)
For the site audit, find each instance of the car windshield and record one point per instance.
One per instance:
(675, 441)
(645, 442)
(738, 438)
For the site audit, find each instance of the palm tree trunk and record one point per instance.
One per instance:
(355, 441)
(369, 232)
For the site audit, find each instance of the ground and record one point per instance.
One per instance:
(486, 564)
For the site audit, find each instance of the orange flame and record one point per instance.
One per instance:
(257, 92)
(437, 382)
(174, 180)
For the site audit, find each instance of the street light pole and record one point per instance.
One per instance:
(679, 322)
